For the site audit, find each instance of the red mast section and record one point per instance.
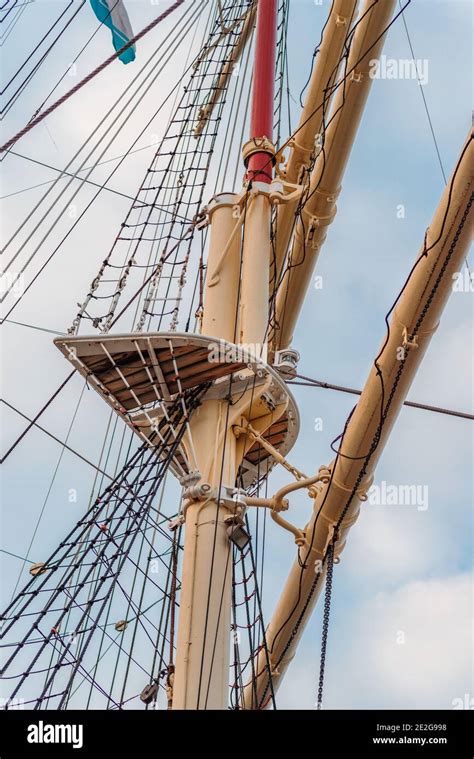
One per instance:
(259, 166)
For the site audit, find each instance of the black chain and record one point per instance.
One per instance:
(327, 609)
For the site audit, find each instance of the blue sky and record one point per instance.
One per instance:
(403, 570)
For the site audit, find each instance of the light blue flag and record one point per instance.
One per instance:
(113, 14)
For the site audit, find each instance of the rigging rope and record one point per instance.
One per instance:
(90, 76)
(430, 122)
(20, 89)
(308, 382)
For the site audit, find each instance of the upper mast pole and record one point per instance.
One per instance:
(259, 155)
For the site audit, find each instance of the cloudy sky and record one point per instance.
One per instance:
(401, 625)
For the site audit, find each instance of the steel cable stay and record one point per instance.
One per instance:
(254, 624)
(430, 121)
(92, 74)
(64, 174)
(129, 468)
(138, 614)
(30, 74)
(166, 51)
(159, 648)
(303, 381)
(73, 62)
(50, 487)
(62, 77)
(137, 619)
(137, 568)
(21, 8)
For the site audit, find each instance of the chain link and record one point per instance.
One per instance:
(327, 610)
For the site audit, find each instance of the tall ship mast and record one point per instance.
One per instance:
(154, 596)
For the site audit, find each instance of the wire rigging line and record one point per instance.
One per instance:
(34, 326)
(15, 555)
(308, 382)
(183, 185)
(422, 92)
(86, 168)
(428, 115)
(40, 412)
(62, 77)
(53, 437)
(14, 21)
(63, 173)
(21, 88)
(75, 59)
(50, 487)
(90, 76)
(18, 71)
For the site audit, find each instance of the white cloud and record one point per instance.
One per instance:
(368, 665)
(389, 545)
(368, 668)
